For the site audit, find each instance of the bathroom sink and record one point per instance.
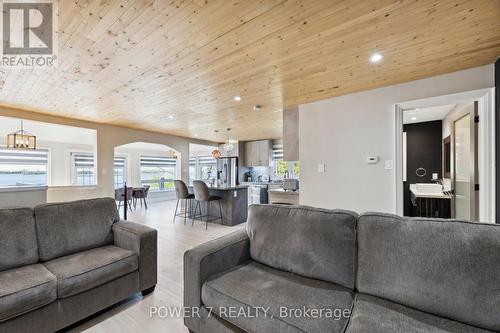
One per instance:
(428, 188)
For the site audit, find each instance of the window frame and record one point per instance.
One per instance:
(167, 162)
(73, 171)
(125, 169)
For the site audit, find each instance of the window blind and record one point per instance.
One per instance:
(119, 162)
(24, 157)
(83, 160)
(157, 161)
(277, 152)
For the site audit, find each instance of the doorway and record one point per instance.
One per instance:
(444, 151)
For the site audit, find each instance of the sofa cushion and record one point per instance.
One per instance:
(283, 296)
(375, 315)
(82, 271)
(444, 267)
(312, 242)
(18, 244)
(25, 288)
(66, 228)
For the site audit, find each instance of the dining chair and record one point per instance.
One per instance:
(202, 195)
(141, 195)
(182, 193)
(120, 196)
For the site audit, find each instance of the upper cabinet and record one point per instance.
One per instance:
(291, 134)
(258, 153)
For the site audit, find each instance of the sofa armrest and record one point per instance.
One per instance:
(209, 259)
(143, 241)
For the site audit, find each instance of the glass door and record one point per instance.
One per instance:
(464, 200)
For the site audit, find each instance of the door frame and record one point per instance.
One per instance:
(486, 145)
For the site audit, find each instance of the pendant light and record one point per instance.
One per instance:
(21, 139)
(228, 146)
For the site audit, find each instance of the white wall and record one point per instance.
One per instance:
(108, 137)
(342, 132)
(59, 160)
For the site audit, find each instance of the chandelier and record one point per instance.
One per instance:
(228, 146)
(21, 139)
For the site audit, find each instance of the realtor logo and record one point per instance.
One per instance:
(29, 33)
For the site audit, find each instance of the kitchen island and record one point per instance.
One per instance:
(234, 204)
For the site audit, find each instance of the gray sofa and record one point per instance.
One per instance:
(60, 263)
(375, 272)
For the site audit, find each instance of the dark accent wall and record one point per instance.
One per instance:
(423, 149)
(497, 135)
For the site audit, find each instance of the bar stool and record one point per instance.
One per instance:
(202, 194)
(182, 193)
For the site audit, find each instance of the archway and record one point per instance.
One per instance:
(151, 166)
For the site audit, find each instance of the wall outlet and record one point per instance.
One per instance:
(389, 164)
(321, 168)
(235, 194)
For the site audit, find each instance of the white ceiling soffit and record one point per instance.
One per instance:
(426, 114)
(200, 150)
(145, 146)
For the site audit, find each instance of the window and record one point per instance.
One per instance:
(158, 172)
(281, 168)
(202, 168)
(208, 168)
(119, 172)
(83, 170)
(23, 167)
(192, 169)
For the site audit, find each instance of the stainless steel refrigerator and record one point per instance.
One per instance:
(227, 171)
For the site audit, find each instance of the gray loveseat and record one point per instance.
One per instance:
(60, 263)
(375, 272)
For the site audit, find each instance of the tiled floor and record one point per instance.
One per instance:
(133, 315)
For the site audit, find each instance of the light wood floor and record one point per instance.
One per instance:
(133, 315)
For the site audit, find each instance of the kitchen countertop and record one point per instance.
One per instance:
(226, 188)
(282, 191)
(262, 183)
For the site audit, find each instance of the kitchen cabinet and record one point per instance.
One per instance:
(258, 153)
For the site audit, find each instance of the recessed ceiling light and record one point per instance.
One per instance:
(257, 108)
(196, 135)
(376, 57)
(237, 98)
(171, 117)
(413, 118)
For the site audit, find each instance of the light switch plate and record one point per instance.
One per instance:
(321, 168)
(389, 164)
(235, 194)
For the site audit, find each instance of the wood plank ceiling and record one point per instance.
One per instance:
(175, 66)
